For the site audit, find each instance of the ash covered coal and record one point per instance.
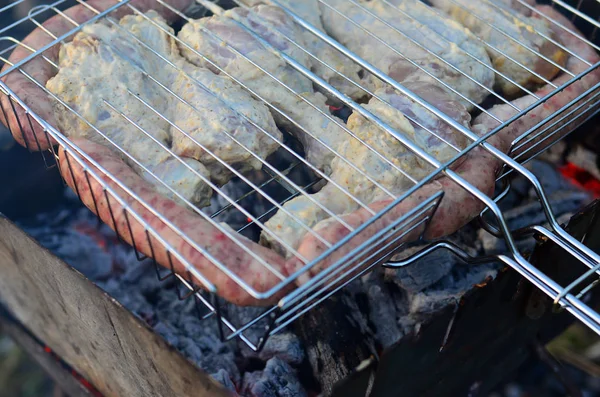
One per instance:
(277, 380)
(74, 234)
(386, 303)
(242, 196)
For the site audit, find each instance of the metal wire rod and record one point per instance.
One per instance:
(214, 187)
(404, 56)
(427, 50)
(281, 143)
(560, 25)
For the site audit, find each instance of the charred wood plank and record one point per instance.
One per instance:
(337, 341)
(89, 330)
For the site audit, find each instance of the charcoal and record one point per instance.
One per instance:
(560, 202)
(564, 199)
(136, 272)
(549, 177)
(422, 273)
(87, 257)
(449, 289)
(78, 250)
(230, 214)
(428, 270)
(244, 315)
(193, 326)
(210, 354)
(224, 378)
(135, 302)
(168, 333)
(384, 307)
(285, 346)
(277, 380)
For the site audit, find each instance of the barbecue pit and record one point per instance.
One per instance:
(244, 206)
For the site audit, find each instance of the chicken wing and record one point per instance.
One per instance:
(215, 106)
(101, 76)
(384, 173)
(309, 11)
(515, 38)
(207, 44)
(407, 37)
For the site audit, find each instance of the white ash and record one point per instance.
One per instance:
(286, 346)
(75, 235)
(384, 314)
(224, 378)
(278, 379)
(449, 289)
(586, 159)
(393, 312)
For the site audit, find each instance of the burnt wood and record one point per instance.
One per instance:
(90, 331)
(336, 342)
(492, 333)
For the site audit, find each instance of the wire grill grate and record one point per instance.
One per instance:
(278, 182)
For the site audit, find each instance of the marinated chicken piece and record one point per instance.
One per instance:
(447, 28)
(183, 176)
(103, 67)
(521, 6)
(410, 43)
(227, 32)
(338, 202)
(512, 34)
(213, 119)
(309, 11)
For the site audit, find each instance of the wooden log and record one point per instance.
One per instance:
(90, 331)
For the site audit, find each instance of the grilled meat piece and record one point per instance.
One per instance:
(206, 37)
(514, 39)
(102, 77)
(431, 42)
(309, 11)
(211, 116)
(200, 242)
(479, 168)
(204, 115)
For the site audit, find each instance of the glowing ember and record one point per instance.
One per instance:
(582, 178)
